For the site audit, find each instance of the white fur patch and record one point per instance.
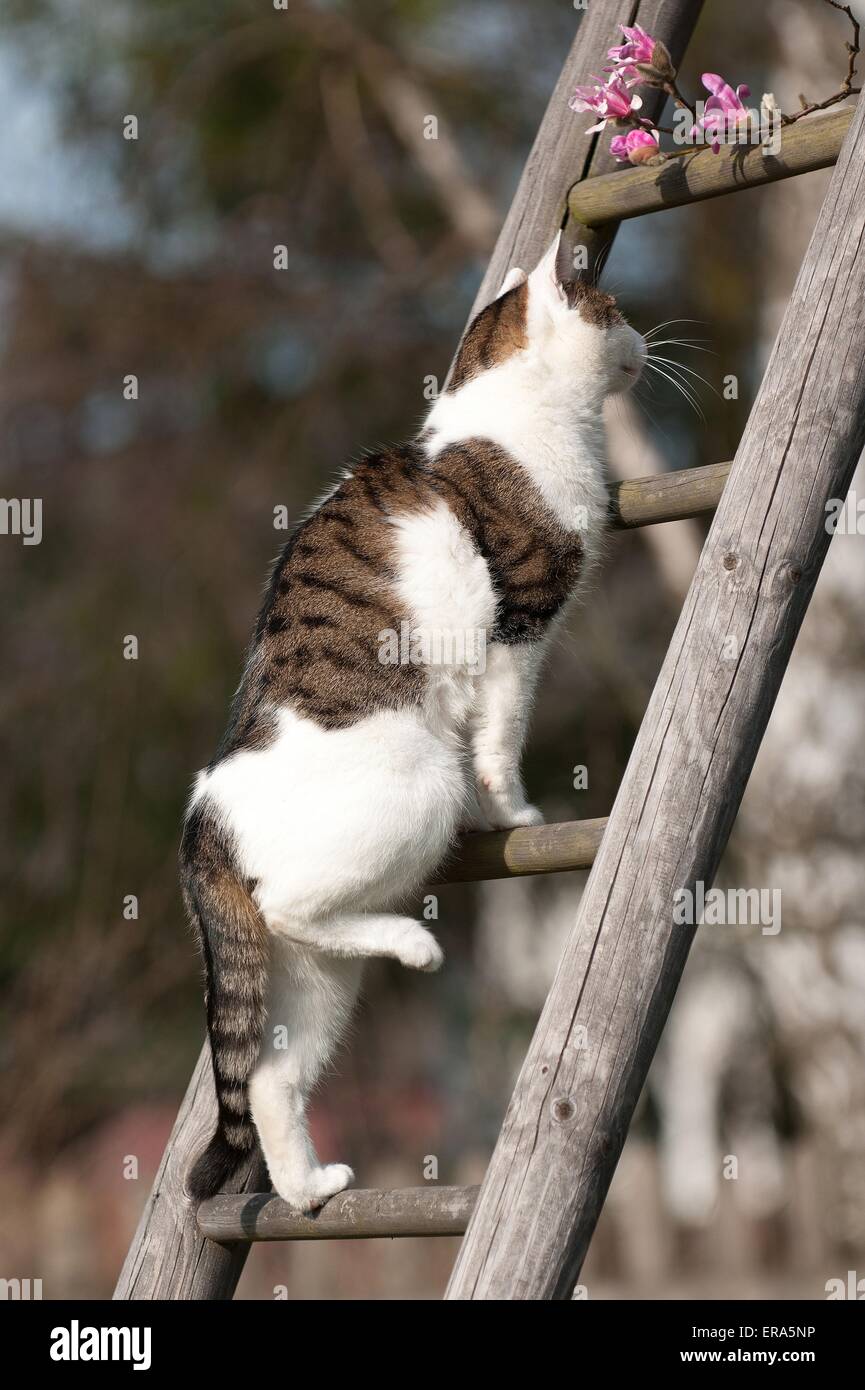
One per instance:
(446, 588)
(325, 819)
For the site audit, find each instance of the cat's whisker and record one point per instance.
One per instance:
(680, 387)
(685, 388)
(658, 326)
(669, 361)
(693, 343)
(600, 262)
(692, 400)
(667, 324)
(671, 370)
(682, 369)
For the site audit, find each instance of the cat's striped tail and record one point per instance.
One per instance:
(234, 947)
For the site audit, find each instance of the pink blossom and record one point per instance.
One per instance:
(635, 147)
(610, 100)
(639, 49)
(723, 106)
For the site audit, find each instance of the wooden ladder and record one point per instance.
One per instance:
(529, 1225)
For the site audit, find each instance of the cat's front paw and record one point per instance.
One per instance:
(504, 804)
(316, 1188)
(521, 815)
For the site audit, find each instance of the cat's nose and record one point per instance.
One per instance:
(638, 361)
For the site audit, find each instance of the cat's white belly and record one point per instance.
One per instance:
(329, 819)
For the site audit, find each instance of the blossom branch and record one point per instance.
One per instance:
(644, 60)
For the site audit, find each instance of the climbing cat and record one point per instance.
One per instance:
(352, 756)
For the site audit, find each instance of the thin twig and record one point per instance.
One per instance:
(846, 89)
(672, 90)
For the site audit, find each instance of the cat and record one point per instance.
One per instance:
(346, 768)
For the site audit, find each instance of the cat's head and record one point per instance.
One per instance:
(560, 328)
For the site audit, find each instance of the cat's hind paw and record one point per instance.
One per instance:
(418, 949)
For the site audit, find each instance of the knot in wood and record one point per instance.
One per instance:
(730, 560)
(563, 1109)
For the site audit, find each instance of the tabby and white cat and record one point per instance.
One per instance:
(344, 774)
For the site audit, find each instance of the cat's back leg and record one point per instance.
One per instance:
(360, 935)
(310, 1001)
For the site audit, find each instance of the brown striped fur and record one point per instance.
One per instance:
(493, 336)
(234, 947)
(316, 645)
(594, 305)
(501, 329)
(331, 594)
(534, 562)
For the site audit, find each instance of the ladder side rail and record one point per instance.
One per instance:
(169, 1257)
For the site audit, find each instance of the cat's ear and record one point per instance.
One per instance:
(545, 280)
(514, 277)
(554, 280)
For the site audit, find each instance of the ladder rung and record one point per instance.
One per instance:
(667, 496)
(357, 1214)
(532, 849)
(813, 143)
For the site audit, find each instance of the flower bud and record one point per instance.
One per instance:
(662, 62)
(651, 75)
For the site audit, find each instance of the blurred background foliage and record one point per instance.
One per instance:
(300, 129)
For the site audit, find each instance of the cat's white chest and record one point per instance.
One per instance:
(448, 594)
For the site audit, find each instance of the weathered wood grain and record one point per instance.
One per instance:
(358, 1214)
(169, 1257)
(532, 849)
(667, 496)
(569, 1114)
(810, 144)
